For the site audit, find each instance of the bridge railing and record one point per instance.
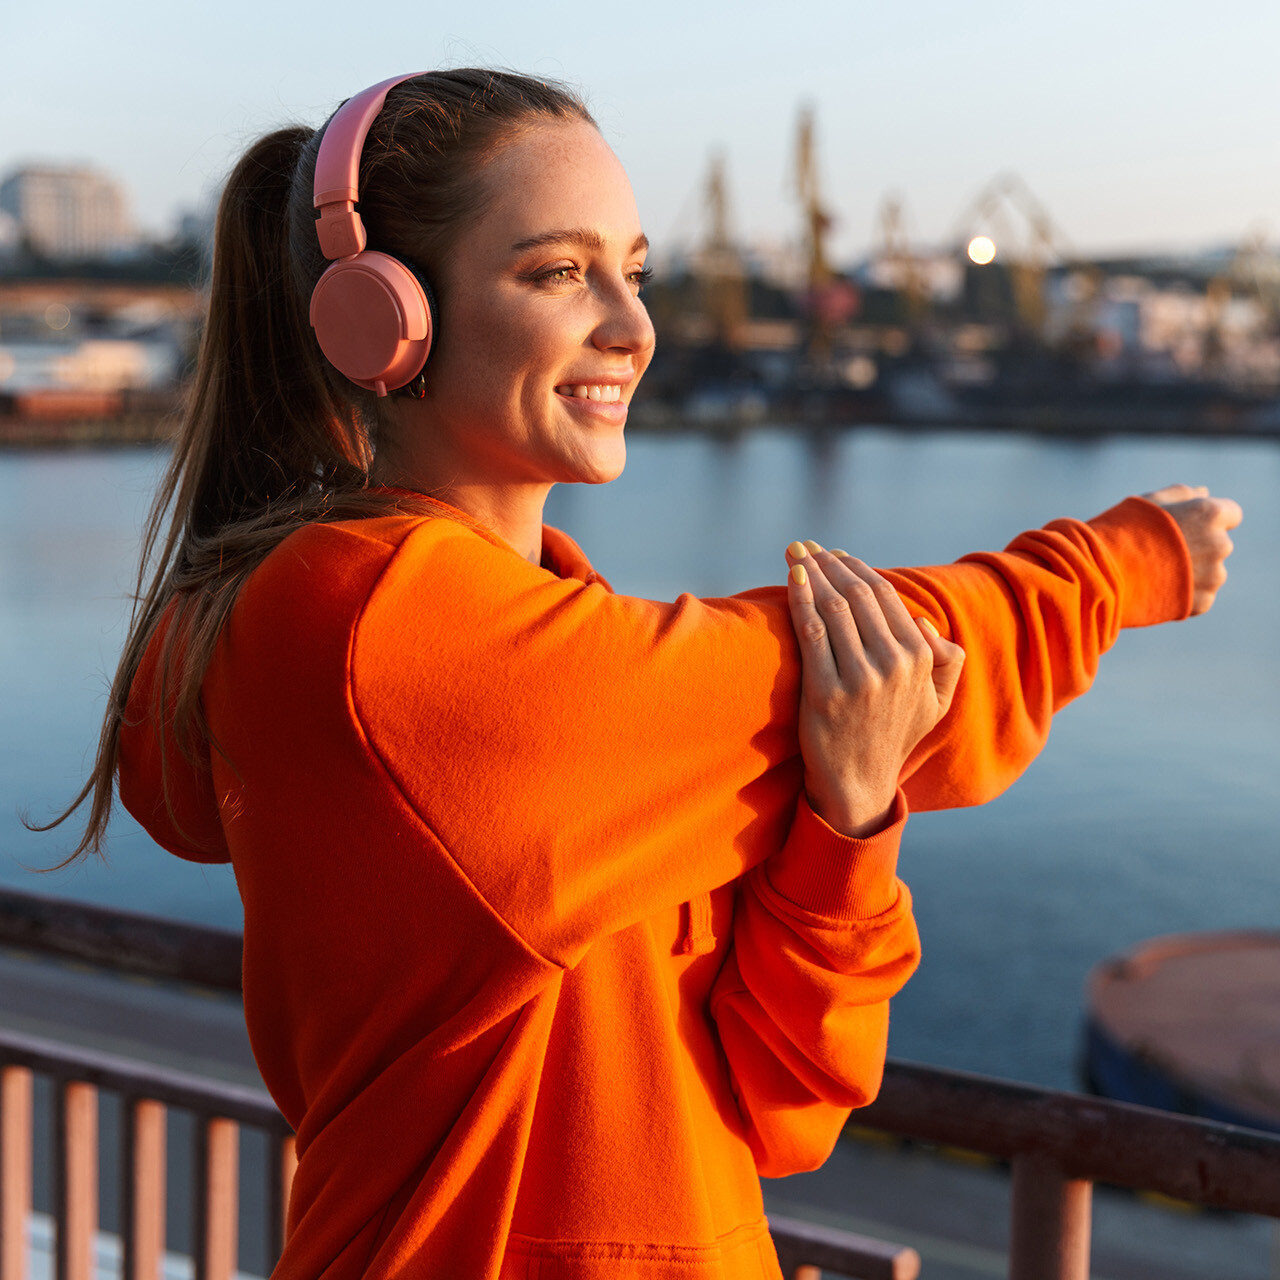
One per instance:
(1057, 1144)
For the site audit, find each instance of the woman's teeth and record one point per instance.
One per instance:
(608, 392)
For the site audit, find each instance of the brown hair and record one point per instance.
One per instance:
(272, 436)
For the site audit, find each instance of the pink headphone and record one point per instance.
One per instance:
(373, 315)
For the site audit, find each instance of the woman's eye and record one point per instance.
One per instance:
(641, 277)
(558, 275)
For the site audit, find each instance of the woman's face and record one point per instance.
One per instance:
(543, 336)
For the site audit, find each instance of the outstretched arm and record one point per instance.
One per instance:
(1035, 619)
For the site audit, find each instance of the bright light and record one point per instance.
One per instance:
(982, 249)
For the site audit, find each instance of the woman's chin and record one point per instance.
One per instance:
(603, 464)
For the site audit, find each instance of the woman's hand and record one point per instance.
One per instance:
(1204, 522)
(875, 681)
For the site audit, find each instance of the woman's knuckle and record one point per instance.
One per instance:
(813, 630)
(896, 663)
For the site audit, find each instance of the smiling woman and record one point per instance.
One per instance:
(567, 914)
(545, 342)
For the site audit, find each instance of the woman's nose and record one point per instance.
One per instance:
(624, 324)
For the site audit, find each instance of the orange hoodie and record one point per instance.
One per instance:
(531, 962)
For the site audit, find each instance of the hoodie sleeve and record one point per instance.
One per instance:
(823, 936)
(1033, 621)
(561, 741)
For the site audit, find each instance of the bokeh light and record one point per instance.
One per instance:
(982, 250)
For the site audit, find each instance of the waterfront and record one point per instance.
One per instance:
(1154, 808)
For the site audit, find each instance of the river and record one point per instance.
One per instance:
(1155, 807)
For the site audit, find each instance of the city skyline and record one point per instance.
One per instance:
(1136, 126)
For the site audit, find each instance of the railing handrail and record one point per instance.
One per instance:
(1199, 1161)
(131, 1078)
(125, 941)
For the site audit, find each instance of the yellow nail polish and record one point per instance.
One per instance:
(835, 552)
(814, 548)
(926, 624)
(796, 551)
(798, 575)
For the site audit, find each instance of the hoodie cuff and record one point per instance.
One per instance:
(821, 871)
(1152, 554)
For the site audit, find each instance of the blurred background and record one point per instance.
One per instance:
(926, 274)
(1009, 214)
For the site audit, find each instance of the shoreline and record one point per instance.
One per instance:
(18, 434)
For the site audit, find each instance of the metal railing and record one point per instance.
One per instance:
(147, 1094)
(1057, 1144)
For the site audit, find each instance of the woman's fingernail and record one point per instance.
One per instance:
(796, 551)
(836, 552)
(926, 624)
(798, 575)
(814, 548)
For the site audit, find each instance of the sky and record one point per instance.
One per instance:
(1138, 125)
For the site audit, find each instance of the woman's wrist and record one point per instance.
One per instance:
(856, 814)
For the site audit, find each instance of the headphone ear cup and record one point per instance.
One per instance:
(374, 319)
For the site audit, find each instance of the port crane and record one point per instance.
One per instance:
(1027, 257)
(905, 270)
(831, 299)
(723, 276)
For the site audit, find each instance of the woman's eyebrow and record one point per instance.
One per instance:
(582, 237)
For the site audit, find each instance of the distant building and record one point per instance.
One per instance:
(10, 236)
(67, 212)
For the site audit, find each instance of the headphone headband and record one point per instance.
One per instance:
(373, 315)
(337, 178)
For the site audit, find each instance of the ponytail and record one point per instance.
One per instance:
(266, 423)
(266, 442)
(272, 437)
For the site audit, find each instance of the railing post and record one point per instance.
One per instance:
(217, 1197)
(1050, 1222)
(142, 1184)
(282, 1163)
(15, 1170)
(76, 1179)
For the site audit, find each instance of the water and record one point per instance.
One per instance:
(1154, 809)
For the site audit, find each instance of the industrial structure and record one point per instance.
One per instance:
(66, 212)
(1003, 324)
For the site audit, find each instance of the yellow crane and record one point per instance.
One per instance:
(817, 223)
(907, 273)
(723, 276)
(1027, 256)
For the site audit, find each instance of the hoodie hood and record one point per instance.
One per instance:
(172, 797)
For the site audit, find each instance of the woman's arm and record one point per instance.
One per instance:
(588, 759)
(823, 932)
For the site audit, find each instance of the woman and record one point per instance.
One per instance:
(553, 940)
